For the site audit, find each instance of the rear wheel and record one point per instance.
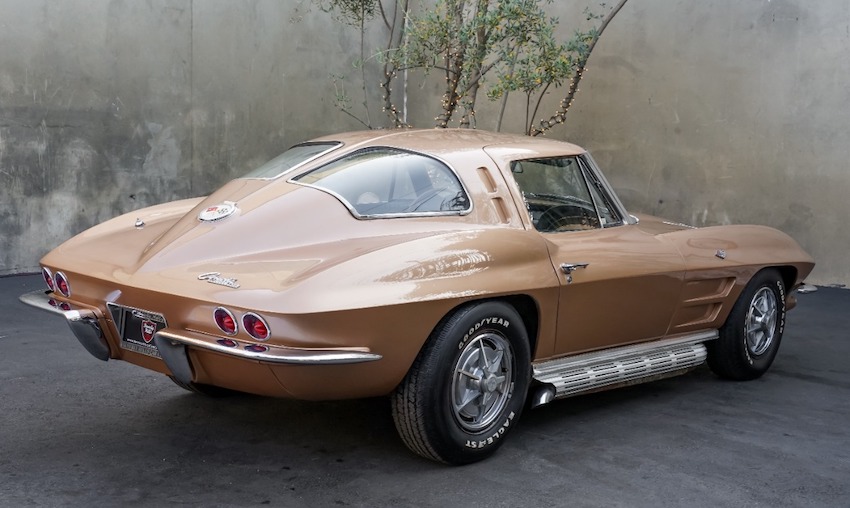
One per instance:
(749, 340)
(467, 387)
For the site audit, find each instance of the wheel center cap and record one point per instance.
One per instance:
(491, 383)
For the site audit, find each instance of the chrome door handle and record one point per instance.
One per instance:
(569, 268)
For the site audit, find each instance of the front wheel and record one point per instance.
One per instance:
(749, 340)
(467, 387)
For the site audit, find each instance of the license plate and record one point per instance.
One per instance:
(137, 328)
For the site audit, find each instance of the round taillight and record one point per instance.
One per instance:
(62, 284)
(225, 321)
(255, 326)
(64, 306)
(227, 342)
(48, 278)
(52, 303)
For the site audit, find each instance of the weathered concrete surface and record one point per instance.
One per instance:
(109, 106)
(705, 112)
(715, 112)
(718, 112)
(75, 431)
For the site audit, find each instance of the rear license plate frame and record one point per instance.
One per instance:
(136, 328)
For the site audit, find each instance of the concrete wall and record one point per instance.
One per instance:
(708, 112)
(107, 106)
(721, 111)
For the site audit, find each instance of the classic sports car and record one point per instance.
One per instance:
(461, 272)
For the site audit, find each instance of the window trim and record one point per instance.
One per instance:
(401, 215)
(590, 180)
(334, 146)
(589, 171)
(626, 218)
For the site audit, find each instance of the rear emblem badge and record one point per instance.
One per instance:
(216, 278)
(217, 212)
(148, 330)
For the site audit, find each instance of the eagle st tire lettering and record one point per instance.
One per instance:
(496, 435)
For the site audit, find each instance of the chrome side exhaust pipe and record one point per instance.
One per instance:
(542, 394)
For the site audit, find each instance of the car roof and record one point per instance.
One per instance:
(445, 142)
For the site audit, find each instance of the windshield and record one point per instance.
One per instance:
(291, 159)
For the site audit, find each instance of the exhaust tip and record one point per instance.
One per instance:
(806, 288)
(543, 394)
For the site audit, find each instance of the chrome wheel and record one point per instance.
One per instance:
(466, 389)
(481, 384)
(751, 335)
(761, 321)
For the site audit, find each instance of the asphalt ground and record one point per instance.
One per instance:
(75, 431)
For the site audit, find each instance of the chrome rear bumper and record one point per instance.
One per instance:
(173, 345)
(173, 348)
(84, 323)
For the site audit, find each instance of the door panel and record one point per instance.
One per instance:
(627, 292)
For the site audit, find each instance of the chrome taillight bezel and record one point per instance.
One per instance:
(249, 328)
(47, 275)
(59, 276)
(229, 314)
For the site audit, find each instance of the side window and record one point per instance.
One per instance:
(386, 182)
(559, 196)
(607, 211)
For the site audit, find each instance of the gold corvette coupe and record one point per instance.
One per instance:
(465, 274)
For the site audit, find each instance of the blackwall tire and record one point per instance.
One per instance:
(750, 338)
(466, 389)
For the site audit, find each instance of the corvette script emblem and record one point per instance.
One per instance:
(216, 278)
(217, 212)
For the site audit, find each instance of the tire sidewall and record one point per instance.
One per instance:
(458, 444)
(762, 362)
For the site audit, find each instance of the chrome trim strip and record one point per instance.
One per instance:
(573, 375)
(627, 217)
(39, 299)
(336, 145)
(275, 354)
(83, 323)
(401, 215)
(681, 224)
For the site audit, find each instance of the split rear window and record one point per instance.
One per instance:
(387, 182)
(291, 159)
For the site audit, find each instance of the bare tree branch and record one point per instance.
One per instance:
(560, 114)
